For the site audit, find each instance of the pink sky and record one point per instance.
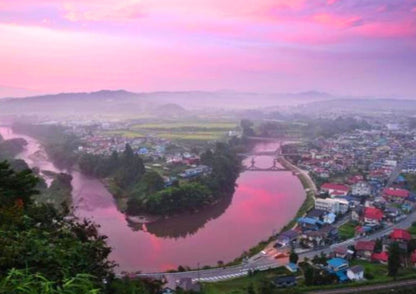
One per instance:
(352, 47)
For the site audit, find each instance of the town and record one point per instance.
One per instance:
(362, 226)
(363, 211)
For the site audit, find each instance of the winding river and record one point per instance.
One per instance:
(263, 202)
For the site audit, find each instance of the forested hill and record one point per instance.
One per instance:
(43, 251)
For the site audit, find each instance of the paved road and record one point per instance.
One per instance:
(391, 285)
(267, 261)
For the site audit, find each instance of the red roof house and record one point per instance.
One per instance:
(395, 194)
(337, 189)
(364, 249)
(400, 235)
(365, 245)
(382, 257)
(373, 215)
(355, 179)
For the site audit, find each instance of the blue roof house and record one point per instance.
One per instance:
(337, 264)
(342, 276)
(310, 223)
(143, 151)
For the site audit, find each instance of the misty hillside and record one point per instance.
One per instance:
(78, 103)
(159, 103)
(361, 105)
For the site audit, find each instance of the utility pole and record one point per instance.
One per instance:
(199, 277)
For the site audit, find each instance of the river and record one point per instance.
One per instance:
(262, 204)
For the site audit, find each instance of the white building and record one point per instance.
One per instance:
(355, 273)
(337, 206)
(361, 189)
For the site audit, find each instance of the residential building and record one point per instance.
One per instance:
(373, 215)
(334, 189)
(365, 249)
(361, 189)
(355, 273)
(286, 238)
(337, 206)
(400, 235)
(381, 257)
(395, 194)
(337, 264)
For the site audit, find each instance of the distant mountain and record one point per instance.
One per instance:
(16, 92)
(100, 102)
(161, 103)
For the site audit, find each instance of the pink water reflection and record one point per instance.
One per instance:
(262, 203)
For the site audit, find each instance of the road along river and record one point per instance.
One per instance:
(262, 203)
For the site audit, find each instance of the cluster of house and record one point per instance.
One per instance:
(375, 152)
(149, 147)
(369, 251)
(338, 262)
(369, 214)
(195, 171)
(105, 144)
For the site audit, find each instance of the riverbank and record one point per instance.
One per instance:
(309, 186)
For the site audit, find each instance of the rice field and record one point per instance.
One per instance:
(186, 125)
(179, 130)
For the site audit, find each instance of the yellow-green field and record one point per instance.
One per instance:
(125, 133)
(192, 135)
(179, 125)
(179, 130)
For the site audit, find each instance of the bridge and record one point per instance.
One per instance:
(277, 153)
(274, 167)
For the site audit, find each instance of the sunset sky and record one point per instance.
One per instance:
(349, 47)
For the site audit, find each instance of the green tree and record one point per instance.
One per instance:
(379, 246)
(265, 287)
(250, 289)
(151, 183)
(394, 259)
(293, 257)
(247, 127)
(309, 275)
(16, 186)
(41, 239)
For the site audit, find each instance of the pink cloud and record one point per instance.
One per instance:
(104, 10)
(330, 2)
(208, 44)
(387, 30)
(336, 21)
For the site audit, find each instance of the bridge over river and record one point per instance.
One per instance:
(275, 154)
